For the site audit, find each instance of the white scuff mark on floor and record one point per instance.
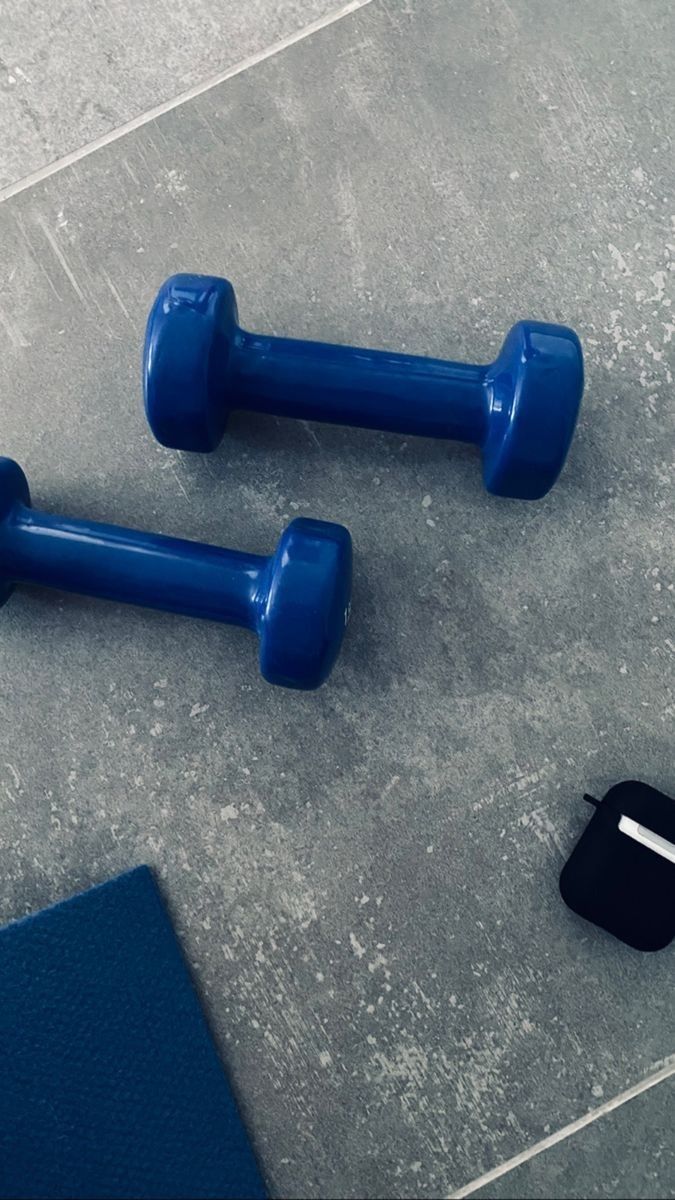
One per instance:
(37, 259)
(618, 259)
(170, 464)
(408, 1064)
(379, 963)
(541, 825)
(300, 906)
(659, 281)
(389, 787)
(530, 778)
(311, 434)
(619, 335)
(61, 259)
(13, 333)
(15, 775)
(130, 173)
(356, 946)
(657, 355)
(172, 182)
(426, 1002)
(115, 294)
(350, 224)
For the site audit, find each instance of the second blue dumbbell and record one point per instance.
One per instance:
(296, 600)
(521, 409)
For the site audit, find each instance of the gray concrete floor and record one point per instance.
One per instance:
(73, 70)
(630, 1152)
(365, 878)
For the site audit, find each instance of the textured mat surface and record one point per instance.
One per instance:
(111, 1085)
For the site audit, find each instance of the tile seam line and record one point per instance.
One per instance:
(665, 1072)
(198, 89)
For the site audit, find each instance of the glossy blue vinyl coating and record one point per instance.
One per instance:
(199, 365)
(296, 600)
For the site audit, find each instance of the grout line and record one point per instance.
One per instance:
(74, 156)
(659, 1076)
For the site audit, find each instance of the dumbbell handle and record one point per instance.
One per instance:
(138, 568)
(315, 381)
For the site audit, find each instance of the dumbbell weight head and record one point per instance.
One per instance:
(13, 490)
(186, 356)
(305, 606)
(534, 389)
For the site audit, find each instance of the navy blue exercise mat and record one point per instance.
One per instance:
(110, 1084)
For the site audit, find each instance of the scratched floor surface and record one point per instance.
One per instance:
(72, 70)
(365, 878)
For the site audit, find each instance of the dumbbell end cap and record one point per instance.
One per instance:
(304, 612)
(13, 490)
(185, 361)
(534, 391)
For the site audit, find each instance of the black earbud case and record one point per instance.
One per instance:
(615, 881)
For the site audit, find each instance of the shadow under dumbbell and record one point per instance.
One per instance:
(115, 629)
(303, 441)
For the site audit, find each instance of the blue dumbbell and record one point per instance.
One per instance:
(297, 600)
(521, 409)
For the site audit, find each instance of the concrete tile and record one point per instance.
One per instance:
(73, 70)
(628, 1153)
(366, 878)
